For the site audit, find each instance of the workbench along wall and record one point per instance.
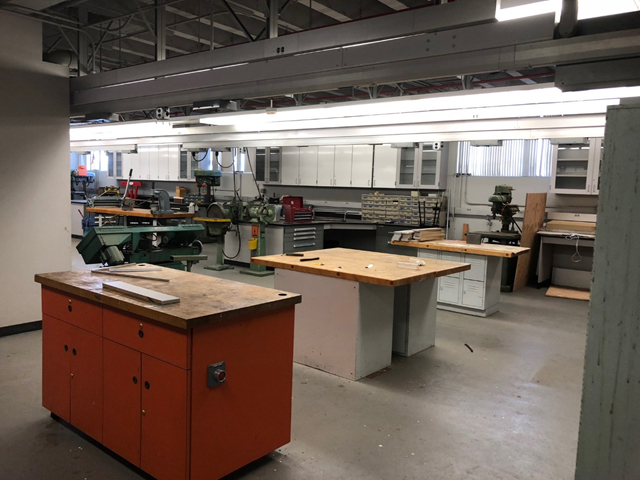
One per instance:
(34, 168)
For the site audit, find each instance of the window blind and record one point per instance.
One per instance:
(515, 158)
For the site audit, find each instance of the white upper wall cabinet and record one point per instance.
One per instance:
(385, 161)
(308, 166)
(326, 164)
(422, 167)
(576, 168)
(153, 163)
(290, 164)
(362, 166)
(342, 166)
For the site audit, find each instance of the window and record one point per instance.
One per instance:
(97, 160)
(239, 159)
(515, 158)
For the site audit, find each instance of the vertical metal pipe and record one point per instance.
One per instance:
(161, 32)
(274, 16)
(212, 45)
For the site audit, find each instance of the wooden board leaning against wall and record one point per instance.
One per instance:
(534, 211)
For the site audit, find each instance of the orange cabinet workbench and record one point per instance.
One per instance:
(136, 376)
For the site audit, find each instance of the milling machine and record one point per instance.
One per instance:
(163, 246)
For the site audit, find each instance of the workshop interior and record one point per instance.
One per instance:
(310, 239)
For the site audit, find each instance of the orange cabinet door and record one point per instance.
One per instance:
(164, 420)
(86, 382)
(56, 361)
(121, 398)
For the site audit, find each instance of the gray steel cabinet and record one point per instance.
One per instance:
(301, 238)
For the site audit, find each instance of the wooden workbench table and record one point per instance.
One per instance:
(135, 376)
(136, 213)
(477, 291)
(359, 307)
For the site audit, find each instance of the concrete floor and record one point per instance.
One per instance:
(507, 411)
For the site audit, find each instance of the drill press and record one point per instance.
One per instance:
(501, 205)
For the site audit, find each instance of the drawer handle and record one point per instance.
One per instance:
(140, 333)
(146, 385)
(135, 381)
(74, 351)
(66, 348)
(69, 307)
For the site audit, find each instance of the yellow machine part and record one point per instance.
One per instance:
(253, 244)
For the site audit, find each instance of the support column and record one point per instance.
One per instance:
(609, 439)
(274, 16)
(161, 33)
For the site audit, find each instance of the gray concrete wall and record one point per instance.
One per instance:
(34, 169)
(609, 439)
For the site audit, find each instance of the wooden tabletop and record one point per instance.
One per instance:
(203, 299)
(460, 246)
(352, 265)
(138, 212)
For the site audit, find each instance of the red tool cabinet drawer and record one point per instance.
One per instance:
(72, 309)
(135, 332)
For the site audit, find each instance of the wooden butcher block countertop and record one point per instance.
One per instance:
(138, 212)
(460, 246)
(352, 265)
(203, 299)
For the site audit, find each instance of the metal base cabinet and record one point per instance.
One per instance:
(473, 292)
(142, 388)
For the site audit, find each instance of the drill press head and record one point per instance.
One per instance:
(501, 205)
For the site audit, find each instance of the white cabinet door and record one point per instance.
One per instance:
(385, 162)
(290, 165)
(342, 166)
(134, 164)
(143, 163)
(126, 165)
(173, 172)
(449, 290)
(326, 160)
(572, 168)
(596, 152)
(362, 166)
(162, 165)
(472, 294)
(308, 166)
(478, 267)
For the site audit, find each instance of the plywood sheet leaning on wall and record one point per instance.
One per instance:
(533, 219)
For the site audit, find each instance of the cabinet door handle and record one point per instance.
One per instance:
(72, 375)
(135, 381)
(140, 333)
(74, 351)
(146, 385)
(143, 412)
(66, 348)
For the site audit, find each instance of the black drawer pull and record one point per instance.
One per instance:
(135, 381)
(69, 308)
(74, 351)
(146, 385)
(66, 348)
(140, 333)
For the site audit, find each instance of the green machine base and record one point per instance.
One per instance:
(218, 268)
(257, 273)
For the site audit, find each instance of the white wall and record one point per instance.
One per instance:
(34, 169)
(469, 198)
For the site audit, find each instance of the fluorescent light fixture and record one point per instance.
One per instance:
(528, 10)
(109, 148)
(122, 130)
(586, 9)
(496, 103)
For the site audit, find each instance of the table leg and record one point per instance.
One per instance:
(342, 327)
(414, 319)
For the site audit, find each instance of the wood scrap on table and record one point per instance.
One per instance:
(141, 293)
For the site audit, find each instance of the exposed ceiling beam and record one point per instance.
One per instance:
(133, 52)
(261, 16)
(206, 21)
(193, 38)
(329, 12)
(394, 4)
(515, 74)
